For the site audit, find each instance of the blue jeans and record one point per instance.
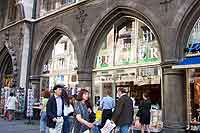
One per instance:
(68, 124)
(43, 123)
(124, 129)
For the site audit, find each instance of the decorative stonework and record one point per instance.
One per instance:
(81, 18)
(166, 4)
(20, 37)
(20, 8)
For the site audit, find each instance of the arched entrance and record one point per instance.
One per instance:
(129, 56)
(55, 63)
(6, 77)
(191, 64)
(61, 66)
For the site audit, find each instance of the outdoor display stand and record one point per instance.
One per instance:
(30, 103)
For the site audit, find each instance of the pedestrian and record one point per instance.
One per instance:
(55, 107)
(82, 123)
(11, 106)
(144, 113)
(68, 113)
(43, 118)
(107, 104)
(123, 114)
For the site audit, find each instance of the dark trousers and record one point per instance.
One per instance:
(106, 114)
(68, 123)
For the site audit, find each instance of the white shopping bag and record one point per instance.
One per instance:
(87, 131)
(108, 127)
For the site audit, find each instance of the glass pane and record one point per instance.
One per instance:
(130, 42)
(61, 66)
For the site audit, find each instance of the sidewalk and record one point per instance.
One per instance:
(18, 126)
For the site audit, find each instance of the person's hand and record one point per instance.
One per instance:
(54, 120)
(90, 125)
(89, 110)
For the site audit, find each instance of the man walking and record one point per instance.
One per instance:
(55, 107)
(123, 114)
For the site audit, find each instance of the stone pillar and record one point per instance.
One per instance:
(85, 79)
(25, 56)
(174, 100)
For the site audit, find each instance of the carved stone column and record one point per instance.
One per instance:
(174, 99)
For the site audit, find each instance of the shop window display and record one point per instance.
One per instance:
(130, 58)
(193, 99)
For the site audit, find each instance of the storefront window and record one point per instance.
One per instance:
(132, 43)
(193, 80)
(130, 58)
(61, 66)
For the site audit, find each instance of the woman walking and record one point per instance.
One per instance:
(144, 113)
(68, 113)
(43, 119)
(82, 123)
(11, 106)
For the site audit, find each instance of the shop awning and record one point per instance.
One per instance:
(188, 62)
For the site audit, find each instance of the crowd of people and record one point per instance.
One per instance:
(62, 113)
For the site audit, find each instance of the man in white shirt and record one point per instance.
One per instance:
(55, 107)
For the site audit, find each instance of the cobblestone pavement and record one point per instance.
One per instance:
(18, 126)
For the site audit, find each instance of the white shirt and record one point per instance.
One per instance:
(68, 109)
(11, 103)
(59, 105)
(107, 103)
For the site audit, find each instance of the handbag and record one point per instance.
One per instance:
(99, 115)
(92, 117)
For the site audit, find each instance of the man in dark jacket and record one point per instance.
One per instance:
(123, 114)
(55, 107)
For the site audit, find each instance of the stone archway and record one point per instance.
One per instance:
(8, 57)
(44, 58)
(103, 26)
(185, 27)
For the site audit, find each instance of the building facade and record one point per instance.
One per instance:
(102, 44)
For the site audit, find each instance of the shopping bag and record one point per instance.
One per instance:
(108, 127)
(137, 124)
(99, 115)
(6, 113)
(87, 131)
